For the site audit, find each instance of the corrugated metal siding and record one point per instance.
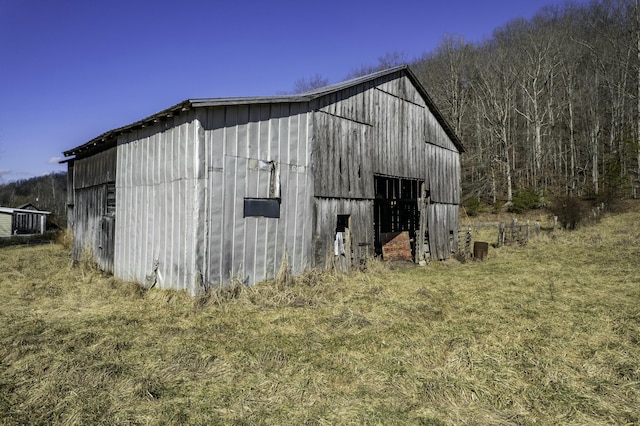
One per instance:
(240, 141)
(156, 217)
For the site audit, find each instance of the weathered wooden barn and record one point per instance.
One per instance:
(211, 190)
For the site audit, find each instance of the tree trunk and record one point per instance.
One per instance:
(638, 89)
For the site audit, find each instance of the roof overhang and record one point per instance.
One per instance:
(11, 210)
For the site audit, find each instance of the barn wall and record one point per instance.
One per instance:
(442, 222)
(382, 127)
(91, 177)
(342, 157)
(385, 127)
(326, 211)
(256, 151)
(159, 175)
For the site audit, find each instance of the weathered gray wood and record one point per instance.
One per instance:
(181, 179)
(326, 212)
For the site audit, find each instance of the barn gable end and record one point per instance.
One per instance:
(382, 150)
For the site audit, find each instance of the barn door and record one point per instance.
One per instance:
(396, 215)
(342, 251)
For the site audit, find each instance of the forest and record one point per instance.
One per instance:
(547, 106)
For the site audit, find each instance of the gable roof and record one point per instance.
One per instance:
(108, 139)
(28, 206)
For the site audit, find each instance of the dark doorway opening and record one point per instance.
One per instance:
(395, 209)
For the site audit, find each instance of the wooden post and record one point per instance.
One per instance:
(514, 231)
(528, 229)
(347, 248)
(555, 223)
(501, 234)
(537, 228)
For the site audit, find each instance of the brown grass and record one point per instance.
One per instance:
(548, 333)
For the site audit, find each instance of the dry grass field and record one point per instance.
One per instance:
(546, 333)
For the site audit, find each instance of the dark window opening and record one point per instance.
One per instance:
(262, 207)
(343, 222)
(111, 199)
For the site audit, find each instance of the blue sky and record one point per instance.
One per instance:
(73, 69)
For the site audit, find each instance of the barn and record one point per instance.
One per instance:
(215, 189)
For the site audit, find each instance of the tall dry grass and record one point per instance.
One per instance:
(548, 333)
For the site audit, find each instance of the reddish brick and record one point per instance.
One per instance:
(398, 247)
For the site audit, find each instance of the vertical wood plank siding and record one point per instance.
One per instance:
(90, 178)
(381, 127)
(71, 195)
(361, 228)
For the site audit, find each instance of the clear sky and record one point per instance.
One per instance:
(72, 69)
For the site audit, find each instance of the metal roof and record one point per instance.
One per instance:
(108, 139)
(11, 210)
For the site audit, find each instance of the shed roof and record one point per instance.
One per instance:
(28, 206)
(11, 210)
(108, 139)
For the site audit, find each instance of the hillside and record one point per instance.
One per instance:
(544, 333)
(47, 193)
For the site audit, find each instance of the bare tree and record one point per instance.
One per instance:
(389, 60)
(552, 102)
(303, 85)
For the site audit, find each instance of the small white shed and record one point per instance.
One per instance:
(22, 221)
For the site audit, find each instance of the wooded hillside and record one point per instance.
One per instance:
(46, 192)
(549, 104)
